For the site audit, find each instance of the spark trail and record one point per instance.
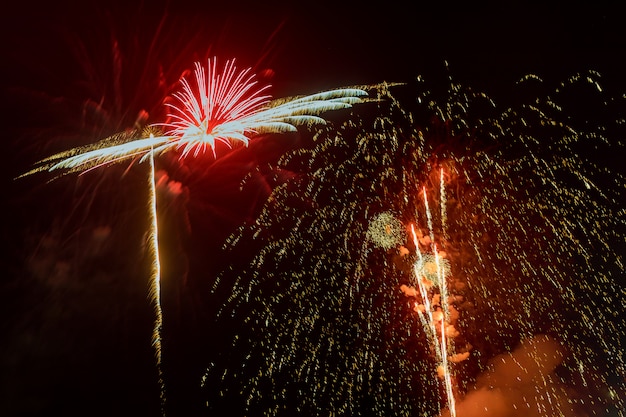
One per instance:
(155, 291)
(533, 224)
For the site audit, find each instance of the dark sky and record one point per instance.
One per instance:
(56, 56)
(331, 42)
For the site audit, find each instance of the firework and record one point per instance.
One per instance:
(221, 106)
(531, 241)
(224, 106)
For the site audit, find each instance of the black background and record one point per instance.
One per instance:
(83, 347)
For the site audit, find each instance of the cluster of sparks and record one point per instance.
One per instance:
(385, 231)
(525, 245)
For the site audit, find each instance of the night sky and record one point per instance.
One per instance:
(76, 314)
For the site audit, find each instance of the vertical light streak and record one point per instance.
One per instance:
(446, 371)
(442, 199)
(429, 217)
(441, 345)
(443, 291)
(422, 287)
(155, 278)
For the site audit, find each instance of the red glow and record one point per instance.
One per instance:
(212, 108)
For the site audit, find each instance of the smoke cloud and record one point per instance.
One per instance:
(520, 383)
